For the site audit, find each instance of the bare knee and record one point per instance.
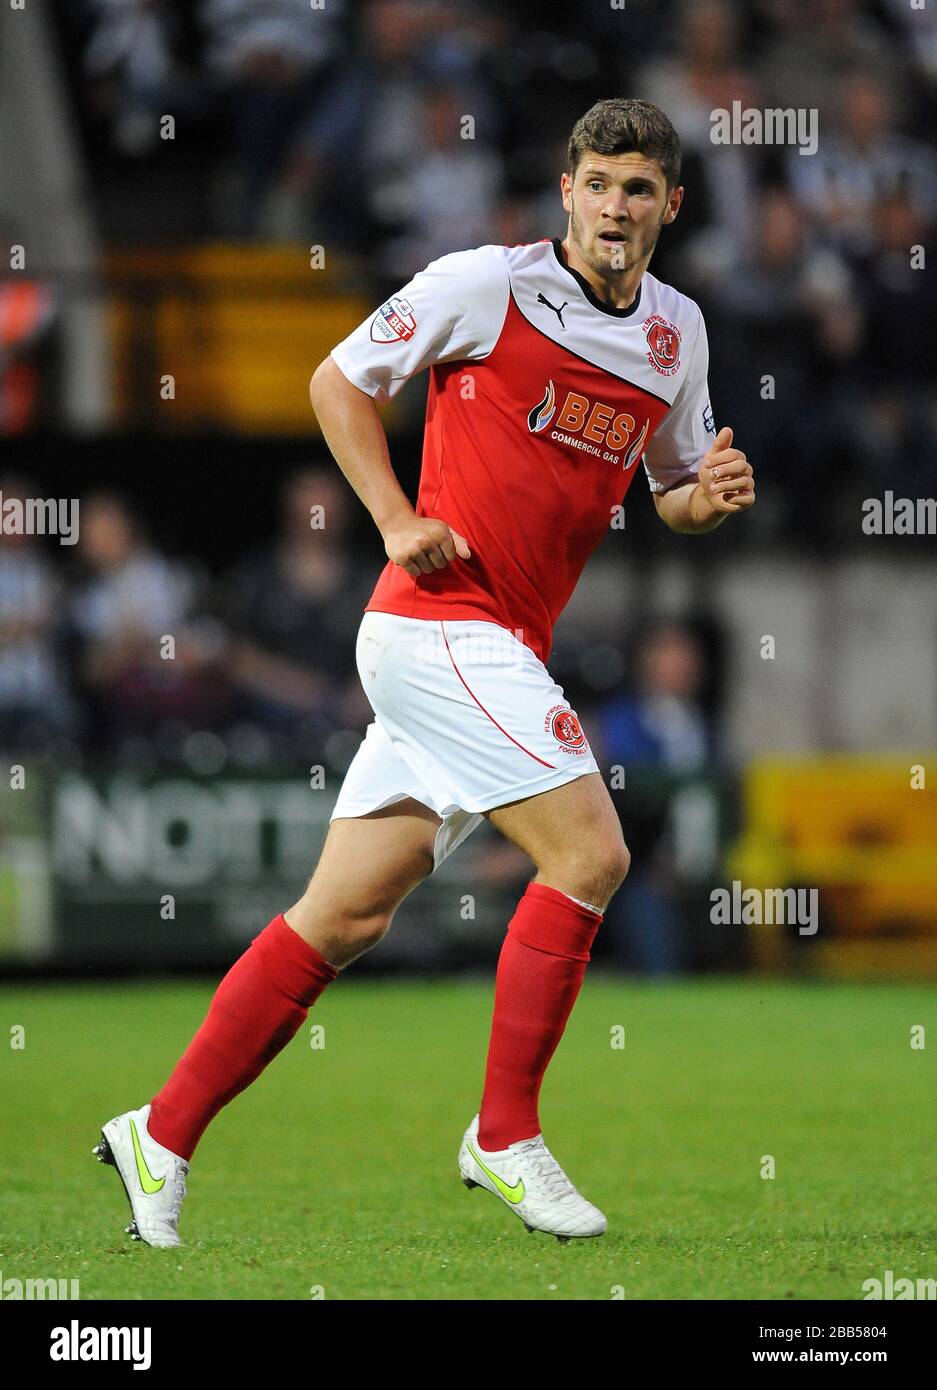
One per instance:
(592, 869)
(611, 865)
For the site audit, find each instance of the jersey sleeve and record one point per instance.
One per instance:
(451, 311)
(687, 430)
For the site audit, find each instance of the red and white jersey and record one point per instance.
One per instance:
(542, 400)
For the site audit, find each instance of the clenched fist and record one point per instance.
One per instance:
(725, 475)
(422, 544)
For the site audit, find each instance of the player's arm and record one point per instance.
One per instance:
(349, 420)
(725, 485)
(451, 311)
(696, 477)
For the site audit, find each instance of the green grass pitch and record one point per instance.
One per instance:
(335, 1174)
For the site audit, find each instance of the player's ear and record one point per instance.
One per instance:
(674, 199)
(566, 187)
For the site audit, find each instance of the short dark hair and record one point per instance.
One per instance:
(621, 124)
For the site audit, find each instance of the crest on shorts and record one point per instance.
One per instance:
(663, 343)
(565, 727)
(394, 321)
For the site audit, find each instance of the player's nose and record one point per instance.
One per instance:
(616, 209)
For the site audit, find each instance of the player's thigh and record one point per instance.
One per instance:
(370, 863)
(574, 824)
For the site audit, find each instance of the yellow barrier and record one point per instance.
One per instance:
(863, 831)
(239, 329)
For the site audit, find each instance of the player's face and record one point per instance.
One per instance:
(617, 206)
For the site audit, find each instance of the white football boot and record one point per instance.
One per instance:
(530, 1182)
(153, 1177)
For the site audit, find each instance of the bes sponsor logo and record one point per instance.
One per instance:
(563, 724)
(394, 321)
(663, 345)
(587, 425)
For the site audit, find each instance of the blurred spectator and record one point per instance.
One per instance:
(919, 26)
(707, 72)
(452, 188)
(272, 62)
(659, 724)
(893, 431)
(816, 46)
(293, 609)
(27, 317)
(782, 323)
(146, 666)
(865, 161)
(35, 704)
(134, 65)
(393, 117)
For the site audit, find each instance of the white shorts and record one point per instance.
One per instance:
(466, 718)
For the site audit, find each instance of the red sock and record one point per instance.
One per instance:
(540, 971)
(257, 1008)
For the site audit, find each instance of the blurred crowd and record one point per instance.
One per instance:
(116, 656)
(393, 131)
(407, 128)
(115, 647)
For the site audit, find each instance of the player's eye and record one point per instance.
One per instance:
(596, 185)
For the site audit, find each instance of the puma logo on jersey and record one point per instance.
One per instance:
(542, 299)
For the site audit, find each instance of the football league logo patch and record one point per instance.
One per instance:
(663, 342)
(394, 321)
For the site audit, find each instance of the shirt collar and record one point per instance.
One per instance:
(589, 292)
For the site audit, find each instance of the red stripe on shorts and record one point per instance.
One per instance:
(482, 707)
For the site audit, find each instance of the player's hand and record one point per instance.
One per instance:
(423, 544)
(725, 475)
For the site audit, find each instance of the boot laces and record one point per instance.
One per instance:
(178, 1189)
(550, 1175)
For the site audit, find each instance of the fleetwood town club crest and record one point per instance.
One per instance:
(663, 344)
(565, 727)
(393, 322)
